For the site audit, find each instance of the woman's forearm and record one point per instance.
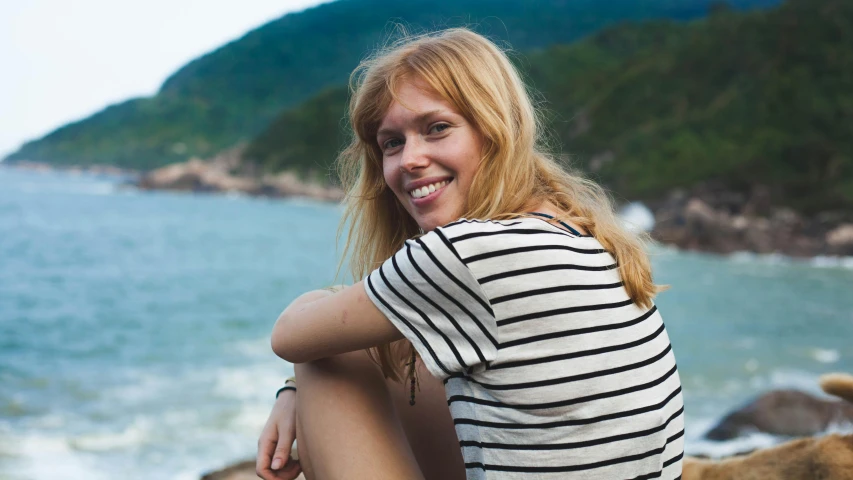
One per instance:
(315, 326)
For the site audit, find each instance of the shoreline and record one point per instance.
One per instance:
(704, 219)
(39, 167)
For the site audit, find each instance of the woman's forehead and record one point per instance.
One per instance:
(414, 102)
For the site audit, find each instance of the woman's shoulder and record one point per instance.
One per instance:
(477, 237)
(470, 225)
(526, 227)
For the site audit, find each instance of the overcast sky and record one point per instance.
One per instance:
(63, 60)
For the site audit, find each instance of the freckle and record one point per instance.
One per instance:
(344, 317)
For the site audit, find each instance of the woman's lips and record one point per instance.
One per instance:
(423, 201)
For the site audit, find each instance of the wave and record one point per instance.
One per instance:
(822, 261)
(24, 456)
(637, 217)
(767, 259)
(134, 435)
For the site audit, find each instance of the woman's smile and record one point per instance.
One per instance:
(424, 194)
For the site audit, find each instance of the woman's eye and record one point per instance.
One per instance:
(438, 128)
(392, 143)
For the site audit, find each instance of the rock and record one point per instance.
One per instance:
(783, 412)
(700, 215)
(244, 470)
(840, 239)
(827, 458)
(239, 471)
(178, 176)
(710, 218)
(791, 412)
(217, 175)
(288, 184)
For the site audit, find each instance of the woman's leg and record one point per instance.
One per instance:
(429, 427)
(349, 390)
(347, 425)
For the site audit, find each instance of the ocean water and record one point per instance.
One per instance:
(134, 325)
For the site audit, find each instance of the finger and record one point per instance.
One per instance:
(290, 471)
(282, 451)
(266, 446)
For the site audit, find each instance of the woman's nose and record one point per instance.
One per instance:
(415, 154)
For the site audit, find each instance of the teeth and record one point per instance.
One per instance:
(424, 191)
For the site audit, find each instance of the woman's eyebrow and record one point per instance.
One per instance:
(419, 118)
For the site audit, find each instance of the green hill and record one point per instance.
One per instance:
(739, 99)
(232, 93)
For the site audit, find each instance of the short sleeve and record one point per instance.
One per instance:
(435, 301)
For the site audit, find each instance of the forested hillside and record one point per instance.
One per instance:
(232, 93)
(762, 98)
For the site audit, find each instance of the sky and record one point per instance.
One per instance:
(63, 60)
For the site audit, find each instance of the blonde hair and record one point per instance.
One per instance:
(515, 174)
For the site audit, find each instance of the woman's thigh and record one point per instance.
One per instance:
(429, 427)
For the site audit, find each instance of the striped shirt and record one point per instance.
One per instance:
(550, 370)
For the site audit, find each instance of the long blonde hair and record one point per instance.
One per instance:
(515, 174)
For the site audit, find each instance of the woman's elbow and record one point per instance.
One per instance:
(283, 344)
(282, 349)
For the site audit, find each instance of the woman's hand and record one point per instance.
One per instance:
(276, 441)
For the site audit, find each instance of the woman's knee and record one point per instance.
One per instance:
(349, 371)
(347, 422)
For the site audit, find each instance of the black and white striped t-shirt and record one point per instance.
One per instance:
(550, 370)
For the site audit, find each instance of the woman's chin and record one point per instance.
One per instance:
(429, 224)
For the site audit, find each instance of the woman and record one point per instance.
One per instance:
(524, 297)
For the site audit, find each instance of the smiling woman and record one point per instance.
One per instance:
(506, 281)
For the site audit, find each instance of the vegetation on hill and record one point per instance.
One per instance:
(740, 99)
(232, 93)
(304, 139)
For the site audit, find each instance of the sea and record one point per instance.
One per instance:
(134, 326)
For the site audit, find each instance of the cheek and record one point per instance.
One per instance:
(467, 158)
(392, 177)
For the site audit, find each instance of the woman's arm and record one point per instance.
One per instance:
(320, 324)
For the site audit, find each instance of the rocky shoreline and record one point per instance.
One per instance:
(225, 173)
(712, 219)
(705, 218)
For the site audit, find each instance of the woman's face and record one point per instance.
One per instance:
(429, 155)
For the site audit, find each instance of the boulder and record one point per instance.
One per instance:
(791, 412)
(840, 239)
(827, 458)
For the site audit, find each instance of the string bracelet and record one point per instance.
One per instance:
(286, 387)
(289, 384)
